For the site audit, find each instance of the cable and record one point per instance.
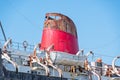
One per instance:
(25, 17)
(105, 55)
(3, 32)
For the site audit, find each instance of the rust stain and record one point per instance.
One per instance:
(60, 22)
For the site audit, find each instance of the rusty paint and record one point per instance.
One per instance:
(60, 31)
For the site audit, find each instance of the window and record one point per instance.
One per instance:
(59, 23)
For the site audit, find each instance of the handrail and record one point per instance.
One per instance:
(113, 65)
(5, 55)
(17, 45)
(79, 52)
(88, 67)
(46, 68)
(89, 53)
(35, 48)
(99, 77)
(49, 61)
(35, 58)
(6, 44)
(95, 73)
(58, 69)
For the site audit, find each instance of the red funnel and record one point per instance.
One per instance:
(60, 31)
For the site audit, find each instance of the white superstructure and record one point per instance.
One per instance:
(56, 64)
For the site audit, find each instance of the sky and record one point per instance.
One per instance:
(97, 22)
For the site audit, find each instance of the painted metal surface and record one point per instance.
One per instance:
(60, 32)
(68, 63)
(55, 60)
(10, 75)
(67, 59)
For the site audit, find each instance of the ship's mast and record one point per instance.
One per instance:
(3, 32)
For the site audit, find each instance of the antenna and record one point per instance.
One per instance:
(3, 31)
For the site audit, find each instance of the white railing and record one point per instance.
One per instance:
(19, 46)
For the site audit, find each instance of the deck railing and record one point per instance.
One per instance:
(19, 46)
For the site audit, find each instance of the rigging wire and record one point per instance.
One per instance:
(104, 46)
(28, 20)
(102, 55)
(3, 31)
(24, 16)
(96, 55)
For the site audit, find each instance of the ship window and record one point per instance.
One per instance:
(68, 28)
(63, 27)
(51, 18)
(57, 17)
(73, 30)
(45, 17)
(38, 72)
(56, 22)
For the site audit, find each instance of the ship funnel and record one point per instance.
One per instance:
(59, 31)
